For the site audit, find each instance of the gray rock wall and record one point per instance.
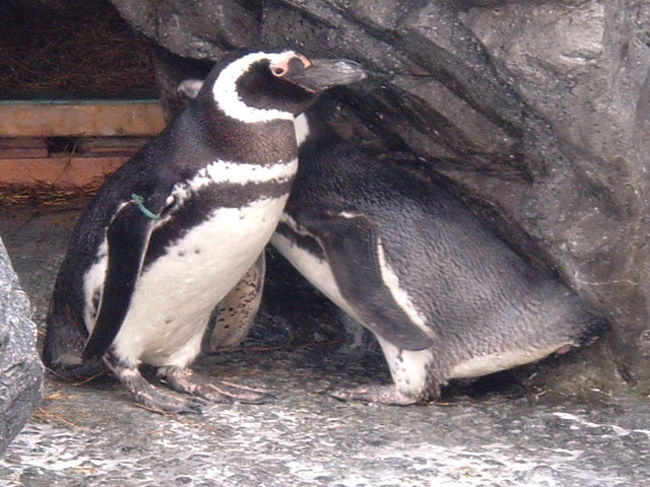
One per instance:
(199, 29)
(538, 112)
(21, 371)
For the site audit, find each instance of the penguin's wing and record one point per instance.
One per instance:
(236, 312)
(127, 237)
(353, 250)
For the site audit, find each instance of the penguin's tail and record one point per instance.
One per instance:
(65, 338)
(70, 367)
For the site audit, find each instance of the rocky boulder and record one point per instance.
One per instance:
(21, 371)
(535, 112)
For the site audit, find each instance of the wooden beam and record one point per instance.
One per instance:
(67, 173)
(22, 147)
(80, 118)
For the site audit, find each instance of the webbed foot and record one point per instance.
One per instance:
(154, 398)
(188, 381)
(380, 394)
(148, 395)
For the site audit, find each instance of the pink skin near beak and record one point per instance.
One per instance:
(281, 68)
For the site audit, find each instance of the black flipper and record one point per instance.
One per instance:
(128, 236)
(351, 246)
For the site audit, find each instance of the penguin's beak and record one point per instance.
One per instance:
(321, 74)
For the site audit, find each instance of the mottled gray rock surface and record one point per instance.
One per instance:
(199, 29)
(21, 371)
(537, 112)
(91, 435)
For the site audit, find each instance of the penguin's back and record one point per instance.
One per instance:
(460, 275)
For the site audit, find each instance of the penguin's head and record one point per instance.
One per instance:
(260, 86)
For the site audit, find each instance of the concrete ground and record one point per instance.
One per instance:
(91, 435)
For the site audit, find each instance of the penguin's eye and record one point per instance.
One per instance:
(279, 71)
(290, 65)
(280, 68)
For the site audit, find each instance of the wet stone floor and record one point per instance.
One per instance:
(91, 435)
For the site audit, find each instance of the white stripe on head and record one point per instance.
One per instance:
(225, 93)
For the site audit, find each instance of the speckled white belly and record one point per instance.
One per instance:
(174, 297)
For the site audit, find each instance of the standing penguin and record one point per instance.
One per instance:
(176, 228)
(444, 296)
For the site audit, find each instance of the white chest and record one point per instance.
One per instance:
(174, 297)
(213, 256)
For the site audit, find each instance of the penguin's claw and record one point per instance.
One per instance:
(168, 404)
(380, 394)
(149, 396)
(185, 380)
(240, 393)
(157, 400)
